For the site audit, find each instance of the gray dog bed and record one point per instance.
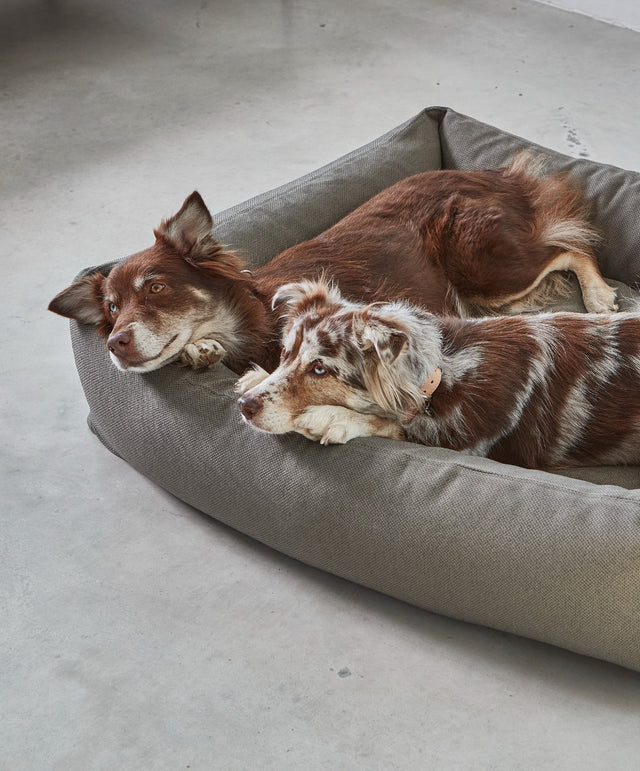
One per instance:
(549, 556)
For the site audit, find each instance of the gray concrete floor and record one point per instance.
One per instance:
(135, 632)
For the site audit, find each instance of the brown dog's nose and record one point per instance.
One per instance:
(117, 343)
(250, 406)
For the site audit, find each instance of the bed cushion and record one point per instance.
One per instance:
(555, 557)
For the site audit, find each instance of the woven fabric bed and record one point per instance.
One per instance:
(555, 557)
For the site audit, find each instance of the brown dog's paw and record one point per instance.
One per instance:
(201, 354)
(600, 299)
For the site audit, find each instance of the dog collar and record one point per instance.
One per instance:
(427, 391)
(431, 383)
(429, 388)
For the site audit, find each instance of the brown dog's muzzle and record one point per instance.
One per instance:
(119, 342)
(122, 345)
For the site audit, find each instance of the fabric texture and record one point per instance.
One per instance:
(549, 556)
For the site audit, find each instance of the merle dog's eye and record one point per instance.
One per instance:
(113, 308)
(155, 288)
(318, 369)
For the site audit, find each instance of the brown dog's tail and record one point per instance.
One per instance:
(561, 213)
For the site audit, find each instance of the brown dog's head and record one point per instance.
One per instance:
(154, 303)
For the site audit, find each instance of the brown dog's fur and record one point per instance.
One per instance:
(453, 242)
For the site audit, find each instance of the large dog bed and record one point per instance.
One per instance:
(555, 557)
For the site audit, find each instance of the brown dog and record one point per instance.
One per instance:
(454, 242)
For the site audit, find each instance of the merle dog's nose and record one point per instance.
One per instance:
(117, 343)
(250, 406)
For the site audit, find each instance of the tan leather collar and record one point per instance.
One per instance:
(431, 383)
(428, 389)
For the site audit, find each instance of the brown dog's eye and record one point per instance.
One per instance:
(155, 288)
(113, 308)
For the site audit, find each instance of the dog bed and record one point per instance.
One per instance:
(555, 557)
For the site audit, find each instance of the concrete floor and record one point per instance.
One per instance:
(135, 632)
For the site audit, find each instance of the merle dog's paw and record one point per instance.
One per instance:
(330, 424)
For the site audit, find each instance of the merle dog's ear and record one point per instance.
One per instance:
(385, 337)
(300, 296)
(81, 301)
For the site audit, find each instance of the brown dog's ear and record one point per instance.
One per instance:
(300, 296)
(189, 232)
(190, 225)
(81, 301)
(386, 337)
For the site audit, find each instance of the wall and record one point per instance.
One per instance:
(624, 13)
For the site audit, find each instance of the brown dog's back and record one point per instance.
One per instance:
(451, 241)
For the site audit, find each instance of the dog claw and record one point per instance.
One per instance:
(201, 354)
